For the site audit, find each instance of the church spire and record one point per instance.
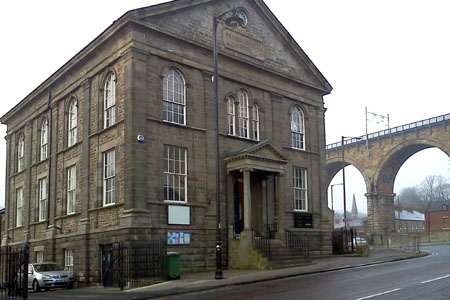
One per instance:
(354, 213)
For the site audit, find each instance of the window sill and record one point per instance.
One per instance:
(17, 227)
(17, 173)
(39, 222)
(115, 205)
(239, 138)
(300, 150)
(66, 216)
(107, 128)
(175, 124)
(167, 203)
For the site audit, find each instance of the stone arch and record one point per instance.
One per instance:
(334, 165)
(391, 163)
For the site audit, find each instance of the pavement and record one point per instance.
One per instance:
(195, 282)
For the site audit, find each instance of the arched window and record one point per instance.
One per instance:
(174, 97)
(20, 153)
(255, 122)
(109, 100)
(243, 114)
(230, 116)
(297, 129)
(72, 123)
(44, 139)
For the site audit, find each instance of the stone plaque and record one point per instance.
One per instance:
(243, 44)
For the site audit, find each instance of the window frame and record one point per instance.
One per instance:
(109, 175)
(171, 174)
(174, 98)
(19, 207)
(109, 100)
(21, 153)
(231, 116)
(42, 199)
(44, 140)
(243, 114)
(68, 259)
(39, 256)
(297, 128)
(72, 123)
(71, 189)
(300, 188)
(255, 122)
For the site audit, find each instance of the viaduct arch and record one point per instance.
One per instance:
(379, 156)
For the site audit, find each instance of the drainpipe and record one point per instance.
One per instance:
(49, 136)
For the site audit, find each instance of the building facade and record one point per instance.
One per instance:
(119, 143)
(437, 216)
(409, 221)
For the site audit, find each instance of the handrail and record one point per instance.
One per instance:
(261, 243)
(295, 241)
(392, 131)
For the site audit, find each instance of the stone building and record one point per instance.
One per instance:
(119, 143)
(409, 221)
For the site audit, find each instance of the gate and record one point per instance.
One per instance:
(343, 240)
(14, 273)
(134, 263)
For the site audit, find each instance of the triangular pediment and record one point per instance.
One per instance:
(264, 150)
(264, 42)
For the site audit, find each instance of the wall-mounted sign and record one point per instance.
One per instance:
(303, 220)
(179, 215)
(178, 238)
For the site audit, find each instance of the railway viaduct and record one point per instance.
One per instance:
(379, 156)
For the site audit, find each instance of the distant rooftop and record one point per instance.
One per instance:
(409, 215)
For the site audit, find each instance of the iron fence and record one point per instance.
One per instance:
(14, 273)
(261, 243)
(295, 241)
(136, 263)
(343, 240)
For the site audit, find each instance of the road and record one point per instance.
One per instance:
(426, 278)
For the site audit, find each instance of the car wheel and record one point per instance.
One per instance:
(36, 286)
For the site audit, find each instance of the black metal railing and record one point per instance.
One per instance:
(261, 243)
(270, 230)
(134, 263)
(296, 242)
(14, 273)
(344, 240)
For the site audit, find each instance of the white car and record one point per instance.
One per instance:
(48, 275)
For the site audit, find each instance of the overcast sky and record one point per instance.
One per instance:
(390, 56)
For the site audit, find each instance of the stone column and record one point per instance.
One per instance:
(380, 217)
(27, 188)
(247, 201)
(8, 206)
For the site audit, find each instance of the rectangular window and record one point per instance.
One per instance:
(175, 169)
(19, 207)
(109, 177)
(71, 189)
(230, 116)
(300, 189)
(445, 219)
(42, 194)
(255, 122)
(68, 259)
(40, 256)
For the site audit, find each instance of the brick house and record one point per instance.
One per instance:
(119, 143)
(437, 216)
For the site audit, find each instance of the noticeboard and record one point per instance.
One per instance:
(303, 220)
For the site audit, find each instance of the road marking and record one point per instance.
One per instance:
(379, 294)
(442, 277)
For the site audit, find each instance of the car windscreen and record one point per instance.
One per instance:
(47, 267)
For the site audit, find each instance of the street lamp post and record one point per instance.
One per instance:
(232, 21)
(332, 201)
(343, 178)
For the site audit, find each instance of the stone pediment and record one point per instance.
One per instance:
(262, 156)
(263, 42)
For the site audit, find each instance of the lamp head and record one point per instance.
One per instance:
(235, 20)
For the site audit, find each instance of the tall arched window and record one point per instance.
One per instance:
(109, 100)
(72, 123)
(174, 97)
(297, 129)
(255, 122)
(230, 116)
(243, 114)
(44, 139)
(20, 153)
